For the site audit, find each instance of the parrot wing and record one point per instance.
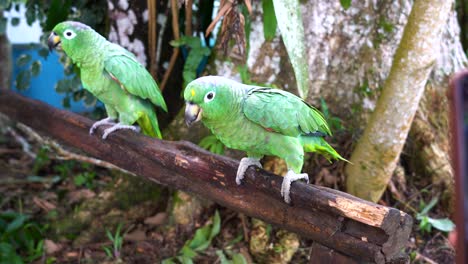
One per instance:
(284, 113)
(133, 78)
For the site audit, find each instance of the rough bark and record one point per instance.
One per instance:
(377, 152)
(430, 130)
(352, 226)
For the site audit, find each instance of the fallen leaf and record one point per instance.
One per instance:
(157, 219)
(71, 254)
(43, 204)
(78, 195)
(51, 247)
(137, 235)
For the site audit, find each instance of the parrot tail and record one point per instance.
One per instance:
(149, 124)
(319, 145)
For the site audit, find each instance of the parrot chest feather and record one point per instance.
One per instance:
(244, 135)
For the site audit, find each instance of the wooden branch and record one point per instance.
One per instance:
(360, 229)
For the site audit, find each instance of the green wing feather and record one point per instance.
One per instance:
(133, 77)
(283, 112)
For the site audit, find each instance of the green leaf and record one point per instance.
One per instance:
(168, 261)
(445, 224)
(23, 60)
(345, 4)
(200, 240)
(30, 15)
(66, 102)
(15, 21)
(222, 258)
(4, 4)
(43, 52)
(23, 80)
(196, 54)
(80, 180)
(16, 223)
(216, 226)
(57, 12)
(36, 68)
(429, 206)
(424, 225)
(3, 25)
(185, 260)
(108, 251)
(269, 20)
(63, 86)
(186, 251)
(288, 14)
(8, 254)
(239, 259)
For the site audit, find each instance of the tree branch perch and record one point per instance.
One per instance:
(351, 226)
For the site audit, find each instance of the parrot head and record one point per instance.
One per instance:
(208, 97)
(71, 37)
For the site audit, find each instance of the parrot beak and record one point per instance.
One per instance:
(193, 113)
(54, 41)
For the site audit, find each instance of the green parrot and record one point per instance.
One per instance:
(260, 121)
(114, 76)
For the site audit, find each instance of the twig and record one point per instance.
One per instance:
(244, 227)
(152, 39)
(188, 17)
(23, 142)
(63, 154)
(426, 259)
(224, 10)
(176, 33)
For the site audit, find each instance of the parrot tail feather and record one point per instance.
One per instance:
(149, 124)
(319, 145)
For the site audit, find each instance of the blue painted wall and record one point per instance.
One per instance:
(42, 86)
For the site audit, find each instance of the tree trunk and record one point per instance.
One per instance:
(376, 154)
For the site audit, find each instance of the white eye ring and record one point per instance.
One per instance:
(69, 34)
(209, 96)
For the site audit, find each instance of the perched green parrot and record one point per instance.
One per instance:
(114, 76)
(260, 121)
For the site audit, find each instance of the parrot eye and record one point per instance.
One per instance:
(209, 96)
(69, 34)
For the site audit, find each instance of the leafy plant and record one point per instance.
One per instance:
(236, 258)
(334, 122)
(85, 178)
(211, 143)
(426, 223)
(269, 20)
(200, 241)
(345, 4)
(42, 159)
(196, 53)
(117, 242)
(21, 239)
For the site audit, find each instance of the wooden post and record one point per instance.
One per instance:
(362, 230)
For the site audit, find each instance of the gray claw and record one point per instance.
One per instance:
(244, 165)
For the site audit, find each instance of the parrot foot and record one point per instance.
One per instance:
(290, 177)
(118, 126)
(244, 165)
(105, 121)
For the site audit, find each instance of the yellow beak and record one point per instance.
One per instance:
(193, 113)
(53, 41)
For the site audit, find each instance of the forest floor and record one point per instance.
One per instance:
(63, 201)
